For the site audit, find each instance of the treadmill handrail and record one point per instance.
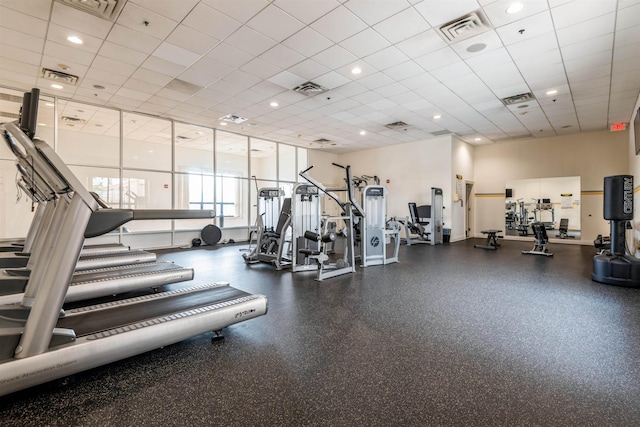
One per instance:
(106, 220)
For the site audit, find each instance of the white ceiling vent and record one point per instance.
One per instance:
(441, 132)
(233, 119)
(466, 26)
(397, 126)
(310, 89)
(518, 99)
(59, 76)
(107, 9)
(71, 120)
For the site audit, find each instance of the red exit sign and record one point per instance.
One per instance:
(615, 127)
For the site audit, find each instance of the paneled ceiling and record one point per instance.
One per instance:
(566, 66)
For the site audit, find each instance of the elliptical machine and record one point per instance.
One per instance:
(615, 266)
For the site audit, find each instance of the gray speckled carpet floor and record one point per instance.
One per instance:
(451, 335)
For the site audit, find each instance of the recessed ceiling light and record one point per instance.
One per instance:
(514, 8)
(476, 47)
(75, 39)
(199, 133)
(273, 104)
(362, 132)
(42, 124)
(99, 87)
(552, 92)
(223, 123)
(437, 116)
(57, 86)
(478, 139)
(356, 70)
(49, 104)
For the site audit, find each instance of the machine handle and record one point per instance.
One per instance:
(306, 170)
(340, 166)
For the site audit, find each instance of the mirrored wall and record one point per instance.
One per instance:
(555, 202)
(141, 162)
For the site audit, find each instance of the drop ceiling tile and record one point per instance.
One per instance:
(339, 24)
(61, 64)
(113, 66)
(121, 53)
(526, 29)
(574, 12)
(82, 21)
(275, 23)
(134, 17)
(390, 90)
(536, 46)
(174, 10)
(437, 12)
(176, 54)
(497, 12)
(374, 12)
(261, 68)
(241, 78)
(21, 40)
(386, 58)
(282, 56)
(162, 66)
(351, 89)
(152, 77)
(365, 43)
(627, 15)
(375, 81)
(12, 52)
(404, 70)
(68, 54)
(335, 57)
(582, 32)
(287, 79)
(123, 102)
(451, 72)
(226, 88)
(20, 67)
(133, 39)
(173, 95)
(21, 22)
(402, 26)
(489, 39)
(437, 59)
(106, 77)
(628, 37)
(421, 44)
(576, 72)
(243, 12)
(211, 22)
(331, 80)
(627, 52)
(133, 94)
(309, 69)
(142, 86)
(308, 42)
(192, 40)
(229, 55)
(36, 8)
(250, 41)
(59, 34)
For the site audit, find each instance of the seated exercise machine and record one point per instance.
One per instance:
(40, 342)
(617, 266)
(541, 240)
(306, 218)
(426, 223)
(271, 236)
(491, 242)
(330, 261)
(374, 232)
(563, 229)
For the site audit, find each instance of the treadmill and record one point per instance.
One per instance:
(42, 342)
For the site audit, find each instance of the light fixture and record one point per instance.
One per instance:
(75, 39)
(476, 47)
(514, 8)
(362, 132)
(223, 123)
(356, 70)
(42, 124)
(552, 92)
(437, 116)
(49, 104)
(273, 104)
(478, 139)
(57, 86)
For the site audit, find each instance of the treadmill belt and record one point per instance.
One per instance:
(95, 321)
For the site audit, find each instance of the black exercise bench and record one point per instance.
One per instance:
(491, 241)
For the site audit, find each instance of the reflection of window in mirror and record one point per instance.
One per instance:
(193, 149)
(147, 142)
(555, 202)
(231, 154)
(231, 206)
(263, 159)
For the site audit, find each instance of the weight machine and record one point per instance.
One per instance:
(375, 231)
(272, 226)
(306, 217)
(351, 212)
(426, 221)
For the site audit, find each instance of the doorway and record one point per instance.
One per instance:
(468, 218)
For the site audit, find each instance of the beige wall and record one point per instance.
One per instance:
(591, 156)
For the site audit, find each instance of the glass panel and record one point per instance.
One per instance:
(193, 192)
(146, 190)
(16, 213)
(302, 163)
(232, 209)
(194, 149)
(231, 154)
(263, 159)
(103, 181)
(88, 135)
(147, 142)
(287, 163)
(253, 197)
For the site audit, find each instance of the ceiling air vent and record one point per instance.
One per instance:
(233, 119)
(59, 76)
(71, 120)
(441, 132)
(107, 9)
(310, 89)
(321, 141)
(466, 26)
(397, 126)
(517, 99)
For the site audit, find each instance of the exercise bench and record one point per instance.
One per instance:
(491, 242)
